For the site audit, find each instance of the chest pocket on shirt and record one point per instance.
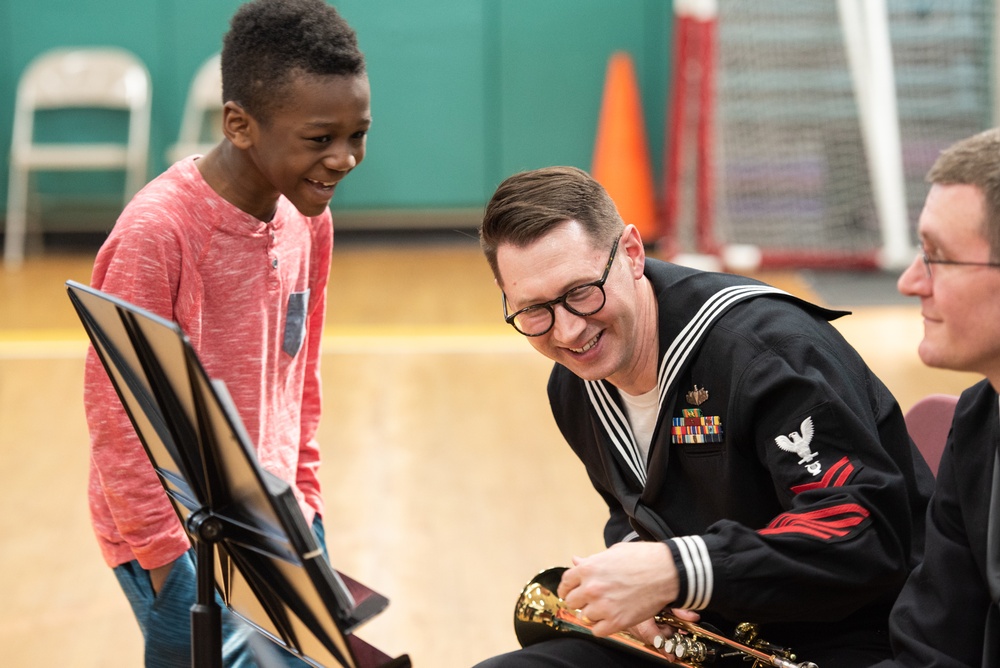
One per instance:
(295, 322)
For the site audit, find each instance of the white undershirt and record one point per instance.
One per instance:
(642, 410)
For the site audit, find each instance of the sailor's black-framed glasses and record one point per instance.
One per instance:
(582, 300)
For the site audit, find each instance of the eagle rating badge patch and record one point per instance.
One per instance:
(695, 427)
(798, 442)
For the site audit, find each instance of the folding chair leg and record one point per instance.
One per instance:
(17, 214)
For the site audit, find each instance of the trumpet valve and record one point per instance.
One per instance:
(684, 647)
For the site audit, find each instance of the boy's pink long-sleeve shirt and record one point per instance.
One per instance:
(230, 281)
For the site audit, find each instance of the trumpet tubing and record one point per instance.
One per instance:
(540, 614)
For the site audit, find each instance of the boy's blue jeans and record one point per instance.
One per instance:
(165, 618)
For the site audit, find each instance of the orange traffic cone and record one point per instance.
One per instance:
(621, 155)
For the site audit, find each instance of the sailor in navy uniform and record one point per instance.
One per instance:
(754, 467)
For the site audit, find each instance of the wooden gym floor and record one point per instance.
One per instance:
(447, 484)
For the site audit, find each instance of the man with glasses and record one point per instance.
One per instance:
(947, 614)
(755, 469)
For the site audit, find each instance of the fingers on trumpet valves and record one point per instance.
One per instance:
(683, 647)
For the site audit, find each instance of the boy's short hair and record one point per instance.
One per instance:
(975, 161)
(529, 205)
(270, 41)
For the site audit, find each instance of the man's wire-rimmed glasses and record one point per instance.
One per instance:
(583, 300)
(928, 262)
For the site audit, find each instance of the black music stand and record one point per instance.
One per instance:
(252, 542)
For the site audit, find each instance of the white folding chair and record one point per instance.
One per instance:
(201, 127)
(75, 78)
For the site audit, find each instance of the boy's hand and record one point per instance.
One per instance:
(158, 576)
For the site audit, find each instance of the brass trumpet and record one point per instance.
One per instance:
(540, 614)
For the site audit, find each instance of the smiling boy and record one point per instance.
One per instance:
(235, 247)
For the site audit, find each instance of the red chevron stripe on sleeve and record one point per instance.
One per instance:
(835, 477)
(826, 523)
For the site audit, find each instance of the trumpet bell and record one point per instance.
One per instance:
(535, 613)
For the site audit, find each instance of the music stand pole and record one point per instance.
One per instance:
(206, 615)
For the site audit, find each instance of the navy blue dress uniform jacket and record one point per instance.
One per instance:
(780, 473)
(941, 617)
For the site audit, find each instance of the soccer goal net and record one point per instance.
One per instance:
(827, 117)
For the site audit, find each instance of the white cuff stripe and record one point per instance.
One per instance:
(698, 567)
(688, 569)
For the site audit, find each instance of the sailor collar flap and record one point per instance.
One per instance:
(696, 300)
